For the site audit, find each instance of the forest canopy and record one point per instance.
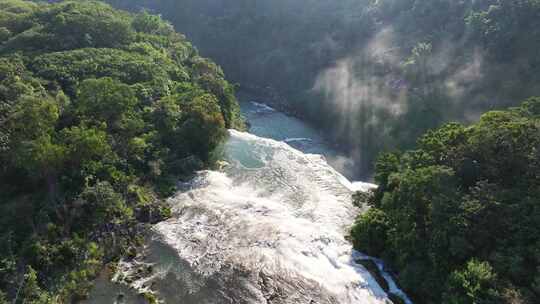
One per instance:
(458, 217)
(101, 112)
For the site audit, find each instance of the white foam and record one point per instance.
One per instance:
(263, 107)
(287, 218)
(290, 140)
(361, 186)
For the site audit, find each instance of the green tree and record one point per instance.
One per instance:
(106, 100)
(475, 284)
(370, 232)
(151, 24)
(101, 204)
(32, 292)
(203, 126)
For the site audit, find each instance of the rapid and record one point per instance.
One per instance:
(269, 227)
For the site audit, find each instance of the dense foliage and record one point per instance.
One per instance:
(100, 112)
(373, 74)
(459, 217)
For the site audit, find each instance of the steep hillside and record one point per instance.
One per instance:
(100, 112)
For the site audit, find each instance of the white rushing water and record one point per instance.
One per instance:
(270, 228)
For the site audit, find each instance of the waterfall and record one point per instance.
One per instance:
(269, 228)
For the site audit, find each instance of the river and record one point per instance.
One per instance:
(267, 122)
(268, 228)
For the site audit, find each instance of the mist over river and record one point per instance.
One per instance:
(269, 227)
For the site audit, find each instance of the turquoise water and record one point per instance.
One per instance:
(267, 122)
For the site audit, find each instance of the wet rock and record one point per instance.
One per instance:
(375, 273)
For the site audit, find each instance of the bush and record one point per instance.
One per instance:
(369, 232)
(474, 284)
